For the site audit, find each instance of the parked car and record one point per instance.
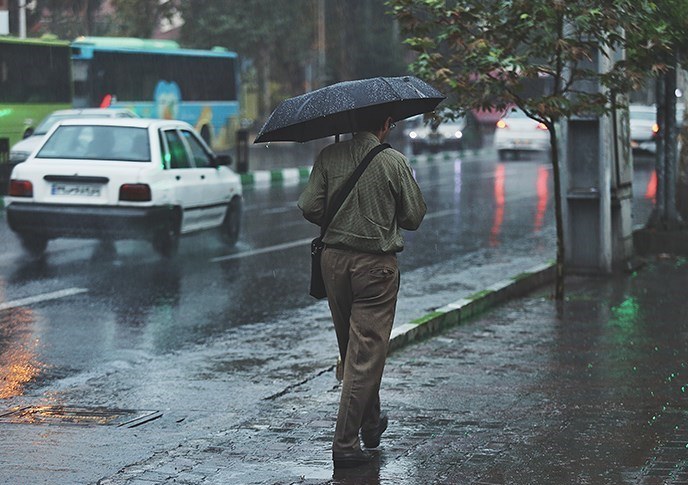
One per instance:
(117, 178)
(434, 136)
(516, 134)
(21, 150)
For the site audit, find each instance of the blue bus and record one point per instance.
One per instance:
(158, 79)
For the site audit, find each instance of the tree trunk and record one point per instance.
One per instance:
(560, 269)
(659, 212)
(670, 146)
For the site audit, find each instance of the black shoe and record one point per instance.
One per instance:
(371, 438)
(350, 459)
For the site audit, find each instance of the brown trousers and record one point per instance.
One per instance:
(362, 292)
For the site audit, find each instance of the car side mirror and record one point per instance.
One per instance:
(221, 160)
(28, 133)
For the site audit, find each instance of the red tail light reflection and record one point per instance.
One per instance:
(651, 190)
(499, 204)
(542, 194)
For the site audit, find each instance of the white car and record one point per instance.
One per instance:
(121, 178)
(516, 134)
(644, 128)
(434, 137)
(21, 150)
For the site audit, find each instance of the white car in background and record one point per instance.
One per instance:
(117, 178)
(643, 127)
(517, 134)
(434, 137)
(21, 150)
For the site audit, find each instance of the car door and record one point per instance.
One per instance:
(215, 192)
(184, 181)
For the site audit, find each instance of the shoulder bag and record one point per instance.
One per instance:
(317, 287)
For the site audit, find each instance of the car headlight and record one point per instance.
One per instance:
(413, 135)
(17, 157)
(458, 134)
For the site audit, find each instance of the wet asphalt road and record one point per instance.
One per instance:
(92, 306)
(221, 341)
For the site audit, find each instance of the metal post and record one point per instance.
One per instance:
(22, 19)
(242, 150)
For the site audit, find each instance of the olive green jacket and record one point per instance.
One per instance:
(384, 200)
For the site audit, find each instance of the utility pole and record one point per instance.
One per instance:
(321, 43)
(597, 180)
(22, 19)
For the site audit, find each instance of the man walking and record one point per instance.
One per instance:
(359, 267)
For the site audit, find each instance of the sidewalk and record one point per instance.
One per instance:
(530, 392)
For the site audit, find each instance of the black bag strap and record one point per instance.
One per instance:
(341, 196)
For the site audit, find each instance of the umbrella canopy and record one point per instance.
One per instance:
(341, 107)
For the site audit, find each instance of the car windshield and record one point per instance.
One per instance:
(516, 114)
(643, 115)
(98, 143)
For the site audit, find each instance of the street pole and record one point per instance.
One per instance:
(22, 19)
(597, 176)
(671, 146)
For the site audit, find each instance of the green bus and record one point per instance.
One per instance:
(35, 80)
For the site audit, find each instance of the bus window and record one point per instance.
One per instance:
(35, 80)
(161, 81)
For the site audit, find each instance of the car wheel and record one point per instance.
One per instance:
(231, 225)
(34, 245)
(166, 240)
(504, 155)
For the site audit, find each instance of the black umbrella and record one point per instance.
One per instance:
(340, 108)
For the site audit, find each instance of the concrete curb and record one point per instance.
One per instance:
(461, 310)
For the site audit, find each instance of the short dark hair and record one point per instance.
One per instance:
(372, 121)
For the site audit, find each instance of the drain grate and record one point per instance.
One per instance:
(77, 415)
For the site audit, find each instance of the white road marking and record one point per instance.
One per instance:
(41, 298)
(269, 249)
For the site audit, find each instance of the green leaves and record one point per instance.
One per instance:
(536, 53)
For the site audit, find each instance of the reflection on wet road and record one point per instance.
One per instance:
(109, 306)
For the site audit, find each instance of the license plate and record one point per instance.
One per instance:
(522, 143)
(76, 190)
